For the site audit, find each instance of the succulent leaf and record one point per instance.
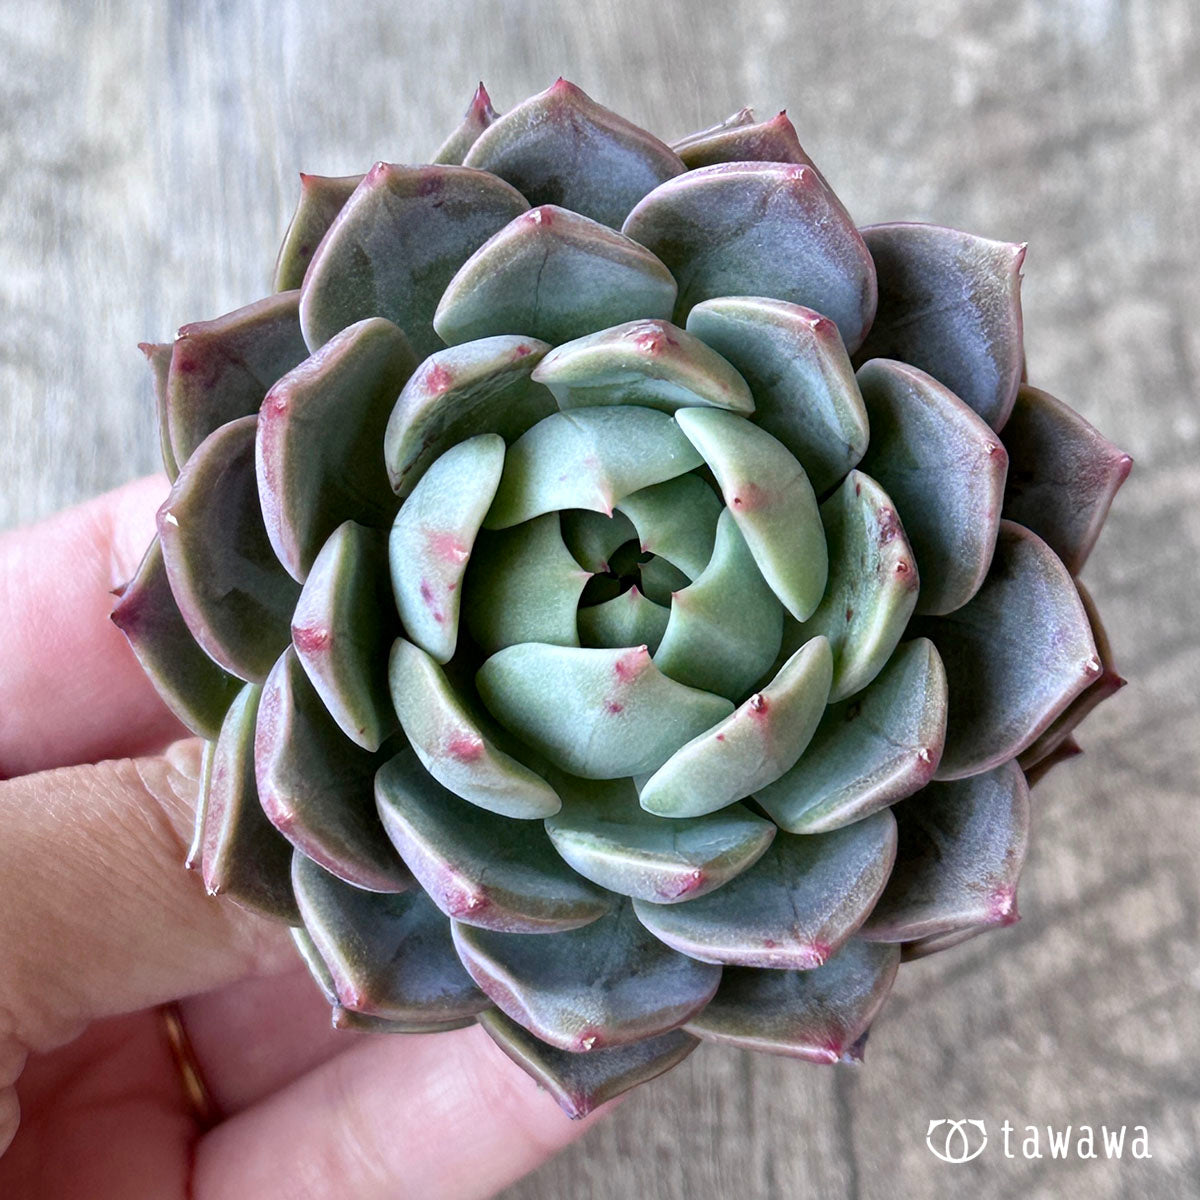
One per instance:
(867, 752)
(677, 520)
(606, 984)
(580, 1083)
(316, 786)
(479, 115)
(554, 275)
(196, 847)
(760, 229)
(461, 392)
(945, 470)
(243, 855)
(608, 837)
(772, 501)
(799, 373)
(433, 536)
(961, 846)
(630, 619)
(794, 908)
(950, 304)
(477, 866)
(752, 747)
(725, 628)
(772, 141)
(743, 116)
(600, 714)
(388, 955)
(872, 587)
(232, 593)
(588, 458)
(1062, 475)
(342, 630)
(322, 197)
(816, 1015)
(158, 357)
(1036, 771)
(319, 436)
(395, 245)
(523, 585)
(561, 147)
(1015, 656)
(591, 537)
(191, 684)
(453, 745)
(661, 580)
(221, 369)
(642, 362)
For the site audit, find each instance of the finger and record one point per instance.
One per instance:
(260, 1034)
(71, 690)
(442, 1116)
(97, 915)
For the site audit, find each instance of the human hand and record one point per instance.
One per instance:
(100, 927)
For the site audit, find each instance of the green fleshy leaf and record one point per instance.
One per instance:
(760, 229)
(642, 362)
(661, 580)
(189, 683)
(606, 836)
(1062, 475)
(554, 275)
(772, 501)
(580, 1083)
(348, 1019)
(388, 956)
(588, 458)
(816, 1015)
(872, 587)
(961, 848)
(317, 787)
(1015, 656)
(740, 139)
(944, 469)
(800, 376)
(591, 537)
(452, 745)
(1106, 684)
(234, 596)
(749, 749)
(950, 304)
(677, 520)
(561, 147)
(342, 629)
(629, 619)
(322, 197)
(479, 115)
(319, 439)
(477, 867)
(523, 586)
(221, 369)
(600, 714)
(396, 244)
(432, 538)
(460, 392)
(607, 984)
(867, 752)
(725, 628)
(794, 909)
(243, 855)
(158, 356)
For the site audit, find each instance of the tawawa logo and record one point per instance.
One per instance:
(959, 1141)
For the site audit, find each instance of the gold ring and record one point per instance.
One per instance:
(204, 1108)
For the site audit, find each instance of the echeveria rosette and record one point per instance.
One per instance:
(626, 604)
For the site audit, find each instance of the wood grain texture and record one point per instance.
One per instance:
(149, 156)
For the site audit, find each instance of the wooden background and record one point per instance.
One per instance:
(148, 155)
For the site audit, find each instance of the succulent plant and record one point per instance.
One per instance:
(625, 603)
